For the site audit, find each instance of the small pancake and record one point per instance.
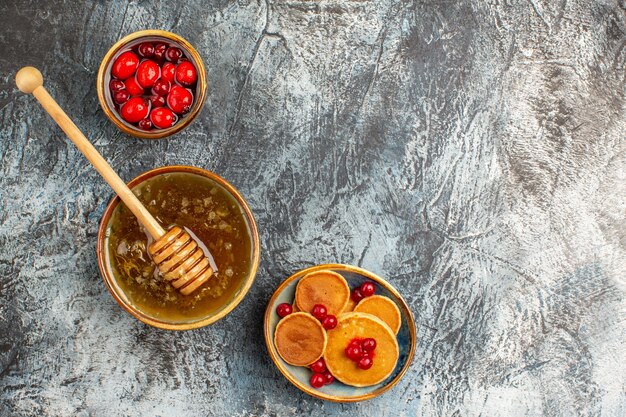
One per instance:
(322, 287)
(300, 339)
(383, 308)
(361, 326)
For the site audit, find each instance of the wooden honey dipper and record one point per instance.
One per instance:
(179, 258)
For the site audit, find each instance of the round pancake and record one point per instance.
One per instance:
(361, 326)
(383, 308)
(300, 339)
(322, 287)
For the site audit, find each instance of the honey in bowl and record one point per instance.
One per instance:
(213, 215)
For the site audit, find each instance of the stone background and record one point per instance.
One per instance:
(471, 152)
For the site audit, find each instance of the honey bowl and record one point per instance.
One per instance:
(210, 209)
(163, 101)
(301, 376)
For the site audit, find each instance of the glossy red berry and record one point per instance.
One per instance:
(173, 54)
(317, 380)
(161, 87)
(134, 110)
(319, 311)
(319, 366)
(121, 97)
(354, 352)
(146, 49)
(147, 73)
(365, 363)
(133, 88)
(116, 85)
(167, 72)
(329, 378)
(284, 309)
(162, 117)
(145, 124)
(367, 289)
(368, 345)
(186, 73)
(329, 322)
(125, 65)
(179, 99)
(157, 101)
(159, 51)
(356, 295)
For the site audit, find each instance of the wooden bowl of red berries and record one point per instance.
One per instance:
(339, 333)
(151, 84)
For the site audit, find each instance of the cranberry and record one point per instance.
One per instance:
(368, 345)
(179, 99)
(159, 51)
(367, 289)
(162, 117)
(329, 322)
(134, 110)
(173, 54)
(121, 97)
(354, 352)
(157, 101)
(319, 311)
(147, 73)
(365, 363)
(284, 309)
(145, 124)
(319, 366)
(125, 65)
(186, 73)
(132, 87)
(161, 87)
(116, 85)
(329, 378)
(317, 380)
(167, 72)
(146, 49)
(356, 295)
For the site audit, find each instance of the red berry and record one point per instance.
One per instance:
(355, 342)
(186, 73)
(329, 378)
(147, 73)
(116, 85)
(146, 49)
(121, 97)
(125, 65)
(134, 110)
(167, 72)
(284, 309)
(319, 366)
(365, 363)
(354, 352)
(317, 380)
(368, 345)
(161, 87)
(329, 322)
(319, 311)
(162, 117)
(356, 295)
(132, 87)
(173, 54)
(159, 51)
(179, 99)
(157, 101)
(145, 124)
(367, 289)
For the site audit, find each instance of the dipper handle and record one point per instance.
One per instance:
(29, 80)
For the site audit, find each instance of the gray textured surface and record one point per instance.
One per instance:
(472, 152)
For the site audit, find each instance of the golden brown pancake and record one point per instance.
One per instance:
(300, 339)
(361, 326)
(383, 308)
(322, 287)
